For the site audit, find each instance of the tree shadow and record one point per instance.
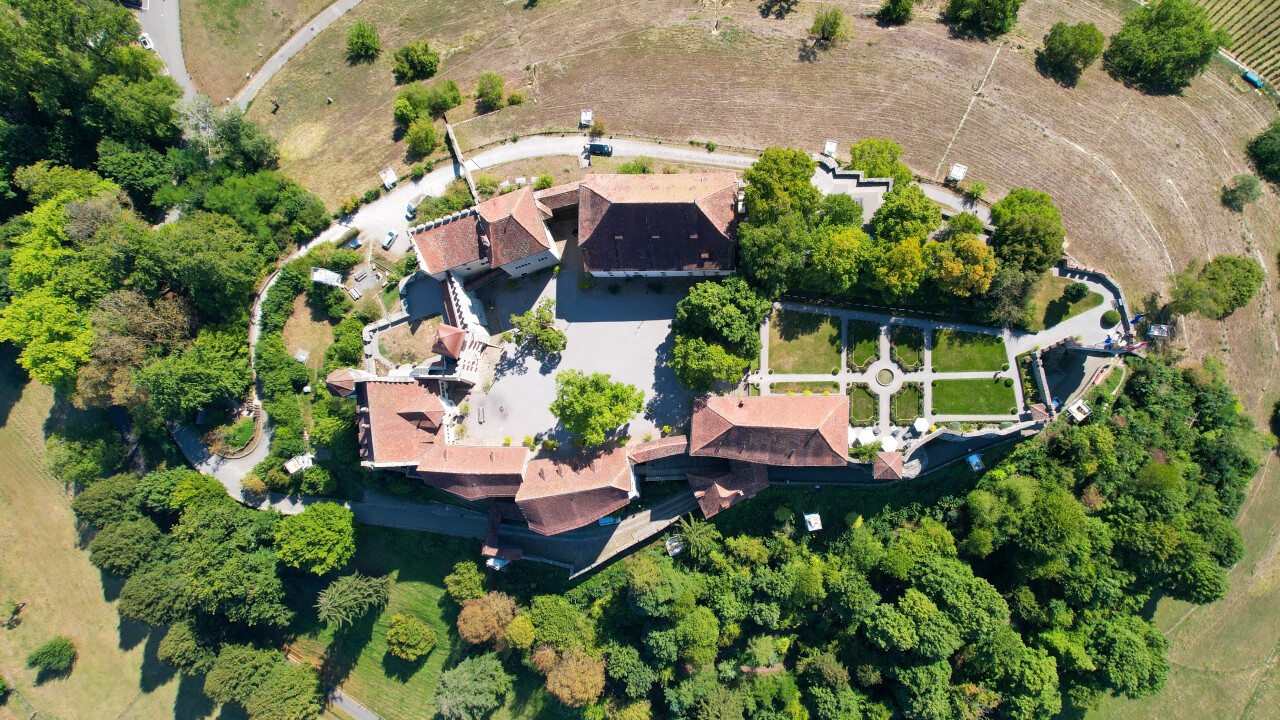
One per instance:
(777, 9)
(47, 676)
(401, 669)
(808, 52)
(155, 672)
(133, 632)
(670, 402)
(191, 703)
(344, 651)
(12, 380)
(1067, 78)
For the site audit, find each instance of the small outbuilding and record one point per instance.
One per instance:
(957, 172)
(586, 118)
(829, 149)
(389, 178)
(1078, 410)
(888, 466)
(812, 522)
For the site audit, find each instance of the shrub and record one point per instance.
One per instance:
(1008, 382)
(363, 43)
(465, 582)
(408, 638)
(1075, 292)
(1110, 318)
(1068, 50)
(895, 12)
(415, 61)
(1244, 189)
(422, 137)
(1264, 151)
(983, 17)
(515, 98)
(54, 657)
(598, 130)
(489, 91)
(543, 181)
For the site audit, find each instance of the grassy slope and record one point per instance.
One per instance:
(1047, 308)
(116, 674)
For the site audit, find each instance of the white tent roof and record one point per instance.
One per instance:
(866, 436)
(889, 443)
(920, 425)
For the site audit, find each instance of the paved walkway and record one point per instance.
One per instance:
(159, 19)
(291, 47)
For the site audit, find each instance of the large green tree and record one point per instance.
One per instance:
(1163, 46)
(905, 213)
(472, 688)
(1220, 287)
(779, 183)
(1068, 50)
(1029, 232)
(320, 539)
(592, 406)
(1264, 151)
(983, 17)
(880, 158)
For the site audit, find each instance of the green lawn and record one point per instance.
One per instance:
(972, 397)
(955, 351)
(1047, 307)
(906, 404)
(803, 343)
(908, 346)
(864, 405)
(864, 344)
(800, 388)
(357, 654)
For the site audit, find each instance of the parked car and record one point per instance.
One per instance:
(145, 40)
(389, 239)
(412, 208)
(600, 149)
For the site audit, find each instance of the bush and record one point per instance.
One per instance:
(543, 181)
(363, 43)
(598, 130)
(1110, 318)
(489, 91)
(415, 61)
(465, 582)
(422, 137)
(55, 657)
(1075, 292)
(1068, 50)
(895, 12)
(408, 638)
(983, 17)
(1264, 151)
(1244, 189)
(515, 98)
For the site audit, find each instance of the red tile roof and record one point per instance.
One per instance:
(655, 449)
(658, 222)
(341, 382)
(721, 491)
(1040, 413)
(561, 494)
(514, 225)
(450, 245)
(558, 196)
(449, 341)
(398, 421)
(802, 430)
(472, 472)
(888, 466)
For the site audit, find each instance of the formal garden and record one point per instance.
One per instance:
(958, 351)
(979, 396)
(803, 343)
(906, 347)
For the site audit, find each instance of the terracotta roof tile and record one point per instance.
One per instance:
(888, 466)
(658, 222)
(514, 225)
(561, 494)
(472, 472)
(802, 430)
(660, 448)
(392, 431)
(721, 491)
(341, 382)
(450, 245)
(449, 341)
(558, 196)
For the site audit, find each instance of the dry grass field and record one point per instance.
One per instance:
(116, 674)
(1255, 31)
(308, 329)
(224, 39)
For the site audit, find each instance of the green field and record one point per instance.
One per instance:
(956, 351)
(800, 388)
(803, 343)
(864, 344)
(1047, 307)
(908, 346)
(972, 397)
(906, 405)
(864, 405)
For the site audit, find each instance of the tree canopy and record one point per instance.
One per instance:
(320, 539)
(983, 17)
(1264, 151)
(592, 406)
(1069, 50)
(472, 688)
(1029, 232)
(536, 329)
(1218, 288)
(880, 158)
(1163, 46)
(778, 183)
(363, 43)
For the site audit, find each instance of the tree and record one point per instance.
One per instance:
(627, 668)
(701, 537)
(54, 336)
(905, 213)
(895, 12)
(54, 657)
(829, 27)
(727, 313)
(319, 539)
(290, 691)
(880, 158)
(363, 43)
(472, 688)
(1163, 46)
(519, 632)
(1264, 151)
(490, 91)
(350, 596)
(186, 649)
(415, 61)
(408, 638)
(962, 265)
(779, 183)
(1224, 285)
(984, 18)
(537, 327)
(1029, 232)
(108, 501)
(422, 137)
(577, 680)
(557, 623)
(1130, 654)
(465, 582)
(591, 406)
(238, 671)
(123, 548)
(1243, 190)
(900, 268)
(482, 619)
(700, 364)
(1069, 50)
